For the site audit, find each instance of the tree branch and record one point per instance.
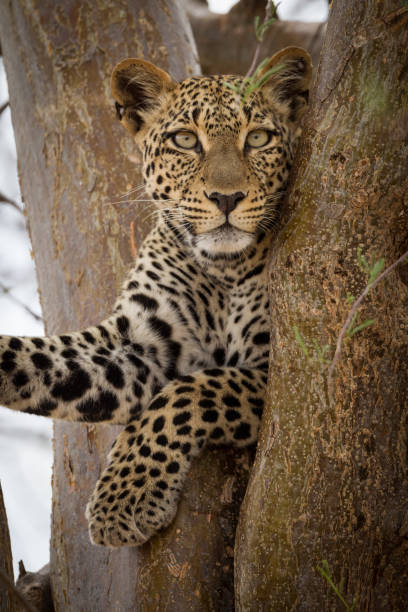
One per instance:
(268, 15)
(6, 200)
(6, 291)
(4, 106)
(351, 314)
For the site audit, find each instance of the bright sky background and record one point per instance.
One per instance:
(301, 10)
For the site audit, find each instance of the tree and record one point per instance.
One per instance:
(329, 481)
(294, 514)
(83, 236)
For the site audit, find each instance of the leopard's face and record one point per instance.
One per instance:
(214, 165)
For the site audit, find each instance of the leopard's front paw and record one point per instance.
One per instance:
(113, 528)
(121, 516)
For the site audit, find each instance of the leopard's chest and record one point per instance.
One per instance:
(213, 318)
(230, 326)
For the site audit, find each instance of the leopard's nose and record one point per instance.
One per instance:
(226, 202)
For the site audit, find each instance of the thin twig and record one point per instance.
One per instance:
(6, 291)
(4, 106)
(351, 314)
(268, 15)
(7, 200)
(15, 593)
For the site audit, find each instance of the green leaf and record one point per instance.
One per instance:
(325, 572)
(363, 325)
(362, 261)
(251, 84)
(349, 298)
(262, 28)
(376, 270)
(354, 604)
(266, 76)
(265, 27)
(261, 65)
(257, 28)
(275, 5)
(233, 87)
(350, 327)
(320, 350)
(301, 341)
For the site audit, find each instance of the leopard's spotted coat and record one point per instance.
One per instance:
(183, 359)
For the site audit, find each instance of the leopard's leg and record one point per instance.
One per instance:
(95, 375)
(138, 491)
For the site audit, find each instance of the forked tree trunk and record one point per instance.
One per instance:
(75, 163)
(330, 478)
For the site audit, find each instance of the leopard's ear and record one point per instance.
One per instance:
(289, 83)
(137, 87)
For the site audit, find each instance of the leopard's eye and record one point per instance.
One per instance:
(185, 139)
(258, 138)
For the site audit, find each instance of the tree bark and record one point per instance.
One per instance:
(7, 603)
(226, 43)
(330, 476)
(75, 164)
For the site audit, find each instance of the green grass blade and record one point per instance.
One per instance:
(363, 325)
(261, 65)
(325, 572)
(376, 270)
(301, 341)
(362, 261)
(266, 76)
(350, 327)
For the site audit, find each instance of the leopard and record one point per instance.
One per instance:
(182, 360)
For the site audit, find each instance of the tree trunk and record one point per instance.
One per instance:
(75, 163)
(7, 604)
(330, 476)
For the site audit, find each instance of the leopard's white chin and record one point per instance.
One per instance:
(228, 241)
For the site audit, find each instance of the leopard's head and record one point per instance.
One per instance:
(215, 162)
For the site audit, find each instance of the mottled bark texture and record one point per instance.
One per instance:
(330, 478)
(226, 43)
(35, 587)
(7, 604)
(76, 162)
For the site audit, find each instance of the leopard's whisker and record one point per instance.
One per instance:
(137, 188)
